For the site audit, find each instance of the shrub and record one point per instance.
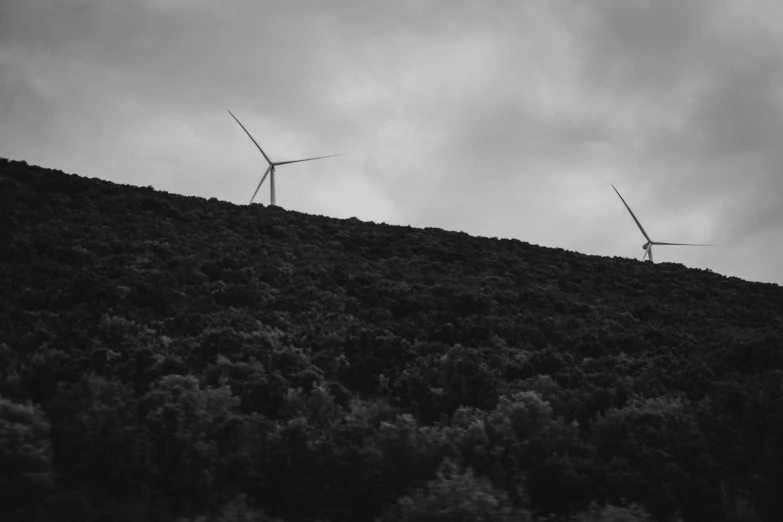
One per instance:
(455, 497)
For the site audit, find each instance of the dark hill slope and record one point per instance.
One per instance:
(184, 351)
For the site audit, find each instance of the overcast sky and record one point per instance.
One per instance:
(497, 118)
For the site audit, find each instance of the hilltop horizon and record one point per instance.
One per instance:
(264, 203)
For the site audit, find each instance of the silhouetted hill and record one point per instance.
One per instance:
(166, 356)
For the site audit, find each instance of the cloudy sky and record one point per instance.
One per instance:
(498, 118)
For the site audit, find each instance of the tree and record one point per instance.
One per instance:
(455, 496)
(186, 425)
(26, 473)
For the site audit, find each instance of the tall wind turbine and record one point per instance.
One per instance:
(648, 246)
(270, 171)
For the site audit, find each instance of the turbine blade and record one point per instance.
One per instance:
(680, 244)
(252, 138)
(308, 159)
(633, 216)
(261, 183)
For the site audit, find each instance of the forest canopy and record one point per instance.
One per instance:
(165, 357)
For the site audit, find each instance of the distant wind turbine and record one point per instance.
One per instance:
(648, 246)
(271, 169)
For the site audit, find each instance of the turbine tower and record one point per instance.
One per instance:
(270, 171)
(648, 246)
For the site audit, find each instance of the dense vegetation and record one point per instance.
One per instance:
(166, 357)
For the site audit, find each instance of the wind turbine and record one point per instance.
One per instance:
(271, 169)
(648, 246)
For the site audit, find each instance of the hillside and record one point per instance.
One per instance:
(165, 356)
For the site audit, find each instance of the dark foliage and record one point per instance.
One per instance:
(164, 357)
